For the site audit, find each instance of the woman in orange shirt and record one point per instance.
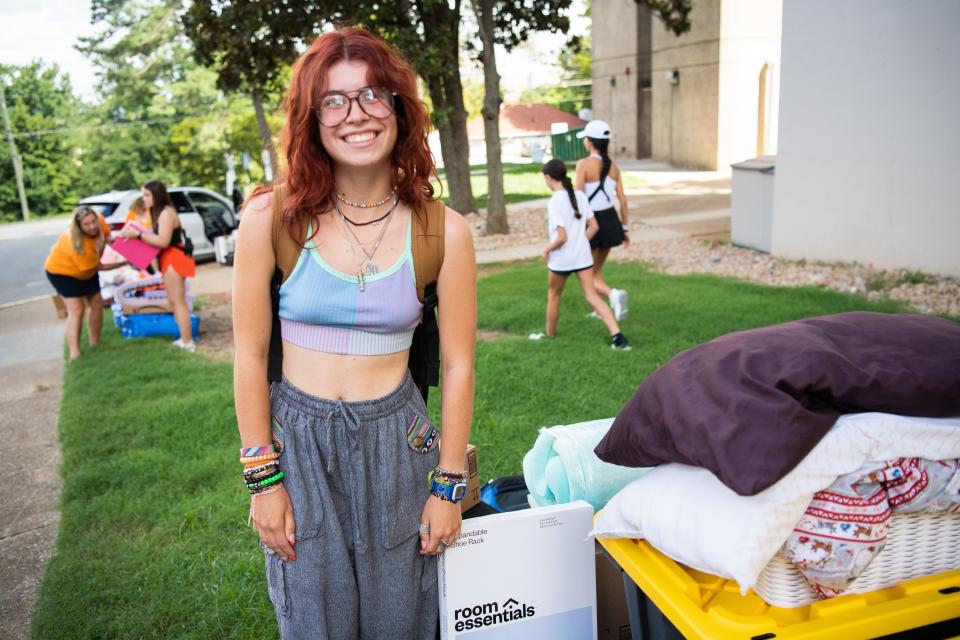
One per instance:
(72, 268)
(175, 258)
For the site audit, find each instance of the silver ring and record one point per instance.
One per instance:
(424, 529)
(443, 546)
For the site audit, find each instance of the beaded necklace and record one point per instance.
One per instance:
(342, 197)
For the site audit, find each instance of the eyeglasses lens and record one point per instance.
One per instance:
(335, 107)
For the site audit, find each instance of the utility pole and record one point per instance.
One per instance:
(14, 156)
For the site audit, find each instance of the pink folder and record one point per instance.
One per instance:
(137, 252)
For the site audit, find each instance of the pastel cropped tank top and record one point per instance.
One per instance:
(325, 310)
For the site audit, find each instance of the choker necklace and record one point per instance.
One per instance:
(368, 222)
(342, 197)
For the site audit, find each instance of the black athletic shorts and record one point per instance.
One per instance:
(73, 288)
(567, 273)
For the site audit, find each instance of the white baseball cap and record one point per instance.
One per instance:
(596, 129)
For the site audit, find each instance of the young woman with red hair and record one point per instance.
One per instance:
(338, 454)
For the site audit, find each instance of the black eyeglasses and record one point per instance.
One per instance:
(335, 105)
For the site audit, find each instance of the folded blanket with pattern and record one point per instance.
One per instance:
(846, 524)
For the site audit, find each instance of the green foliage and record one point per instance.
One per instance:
(675, 14)
(39, 101)
(569, 98)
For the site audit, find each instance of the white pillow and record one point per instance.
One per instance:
(689, 515)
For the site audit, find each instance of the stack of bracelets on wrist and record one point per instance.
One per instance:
(439, 476)
(261, 469)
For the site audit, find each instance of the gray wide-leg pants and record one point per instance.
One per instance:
(356, 473)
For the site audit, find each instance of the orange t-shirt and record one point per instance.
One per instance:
(142, 219)
(65, 261)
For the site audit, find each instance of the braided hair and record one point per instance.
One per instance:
(558, 171)
(601, 146)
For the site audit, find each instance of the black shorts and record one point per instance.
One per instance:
(73, 288)
(567, 273)
(610, 233)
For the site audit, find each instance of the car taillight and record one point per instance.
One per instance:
(116, 226)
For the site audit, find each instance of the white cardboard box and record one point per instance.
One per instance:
(524, 575)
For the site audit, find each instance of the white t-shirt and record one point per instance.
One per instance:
(575, 252)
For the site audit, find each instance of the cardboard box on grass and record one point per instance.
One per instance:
(522, 575)
(472, 496)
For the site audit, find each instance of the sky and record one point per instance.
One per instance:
(48, 29)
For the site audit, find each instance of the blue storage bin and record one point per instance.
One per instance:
(144, 325)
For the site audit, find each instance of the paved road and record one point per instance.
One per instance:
(23, 248)
(22, 276)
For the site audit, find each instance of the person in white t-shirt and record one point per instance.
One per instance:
(571, 224)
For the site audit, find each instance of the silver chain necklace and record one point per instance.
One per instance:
(367, 267)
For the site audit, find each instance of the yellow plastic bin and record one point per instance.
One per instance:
(701, 605)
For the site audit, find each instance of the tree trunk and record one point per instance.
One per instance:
(265, 133)
(442, 27)
(496, 207)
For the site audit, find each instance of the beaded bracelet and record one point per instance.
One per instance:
(260, 458)
(260, 475)
(266, 481)
(446, 477)
(248, 471)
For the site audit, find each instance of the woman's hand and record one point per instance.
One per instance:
(129, 232)
(443, 519)
(546, 255)
(626, 238)
(272, 517)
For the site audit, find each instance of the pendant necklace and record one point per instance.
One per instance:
(369, 267)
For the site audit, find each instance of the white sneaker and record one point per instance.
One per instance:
(594, 315)
(186, 346)
(618, 302)
(538, 336)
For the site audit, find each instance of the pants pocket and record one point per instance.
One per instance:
(410, 454)
(276, 582)
(422, 436)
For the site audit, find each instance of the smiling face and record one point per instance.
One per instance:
(360, 140)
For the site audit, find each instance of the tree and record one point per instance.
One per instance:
(508, 23)
(675, 14)
(41, 104)
(251, 44)
(427, 32)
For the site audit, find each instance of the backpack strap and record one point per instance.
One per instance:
(428, 239)
(286, 253)
(428, 228)
(285, 248)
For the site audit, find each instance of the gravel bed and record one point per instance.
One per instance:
(924, 293)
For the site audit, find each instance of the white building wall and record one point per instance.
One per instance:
(749, 38)
(868, 167)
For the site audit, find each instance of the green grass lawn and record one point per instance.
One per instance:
(153, 540)
(521, 182)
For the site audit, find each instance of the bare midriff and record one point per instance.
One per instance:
(343, 377)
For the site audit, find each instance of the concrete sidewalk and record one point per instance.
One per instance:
(31, 373)
(670, 204)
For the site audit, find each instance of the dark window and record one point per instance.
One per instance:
(181, 202)
(217, 217)
(103, 208)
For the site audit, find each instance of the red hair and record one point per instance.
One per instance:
(309, 169)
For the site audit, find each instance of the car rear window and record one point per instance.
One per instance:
(103, 208)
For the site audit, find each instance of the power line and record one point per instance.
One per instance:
(132, 123)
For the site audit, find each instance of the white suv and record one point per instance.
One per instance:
(204, 214)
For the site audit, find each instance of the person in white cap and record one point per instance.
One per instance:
(599, 177)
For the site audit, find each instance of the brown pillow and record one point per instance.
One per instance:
(750, 405)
